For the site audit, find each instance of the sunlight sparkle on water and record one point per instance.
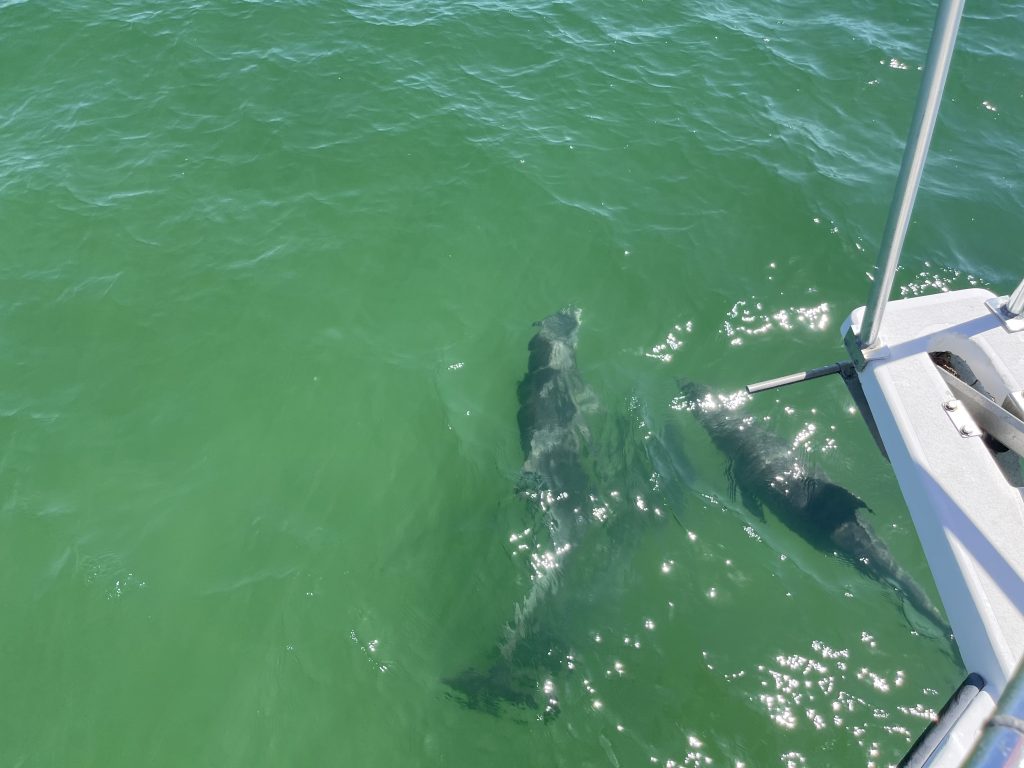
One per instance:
(710, 403)
(804, 436)
(742, 322)
(544, 561)
(514, 537)
(943, 280)
(663, 350)
(823, 693)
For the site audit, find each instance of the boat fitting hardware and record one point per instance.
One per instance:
(961, 419)
(1002, 741)
(935, 735)
(794, 378)
(848, 371)
(861, 355)
(987, 415)
(1015, 304)
(999, 307)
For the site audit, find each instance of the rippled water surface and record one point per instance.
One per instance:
(268, 275)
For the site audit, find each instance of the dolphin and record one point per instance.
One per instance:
(556, 481)
(768, 473)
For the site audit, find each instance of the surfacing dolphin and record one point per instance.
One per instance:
(768, 473)
(552, 402)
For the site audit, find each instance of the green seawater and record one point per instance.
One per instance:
(267, 276)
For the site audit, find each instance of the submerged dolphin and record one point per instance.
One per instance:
(552, 401)
(767, 473)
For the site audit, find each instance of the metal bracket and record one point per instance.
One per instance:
(861, 356)
(852, 343)
(1013, 323)
(961, 419)
(989, 416)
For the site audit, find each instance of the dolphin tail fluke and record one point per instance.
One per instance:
(874, 557)
(495, 689)
(514, 676)
(921, 602)
(922, 605)
(505, 688)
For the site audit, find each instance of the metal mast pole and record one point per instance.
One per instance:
(940, 53)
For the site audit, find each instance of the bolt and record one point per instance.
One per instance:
(950, 405)
(965, 430)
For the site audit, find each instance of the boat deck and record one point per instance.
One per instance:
(965, 499)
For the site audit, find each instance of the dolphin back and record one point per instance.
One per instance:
(552, 402)
(870, 554)
(768, 472)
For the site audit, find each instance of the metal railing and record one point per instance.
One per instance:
(929, 98)
(1002, 741)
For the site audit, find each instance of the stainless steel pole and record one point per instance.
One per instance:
(1002, 741)
(793, 378)
(940, 53)
(1015, 304)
